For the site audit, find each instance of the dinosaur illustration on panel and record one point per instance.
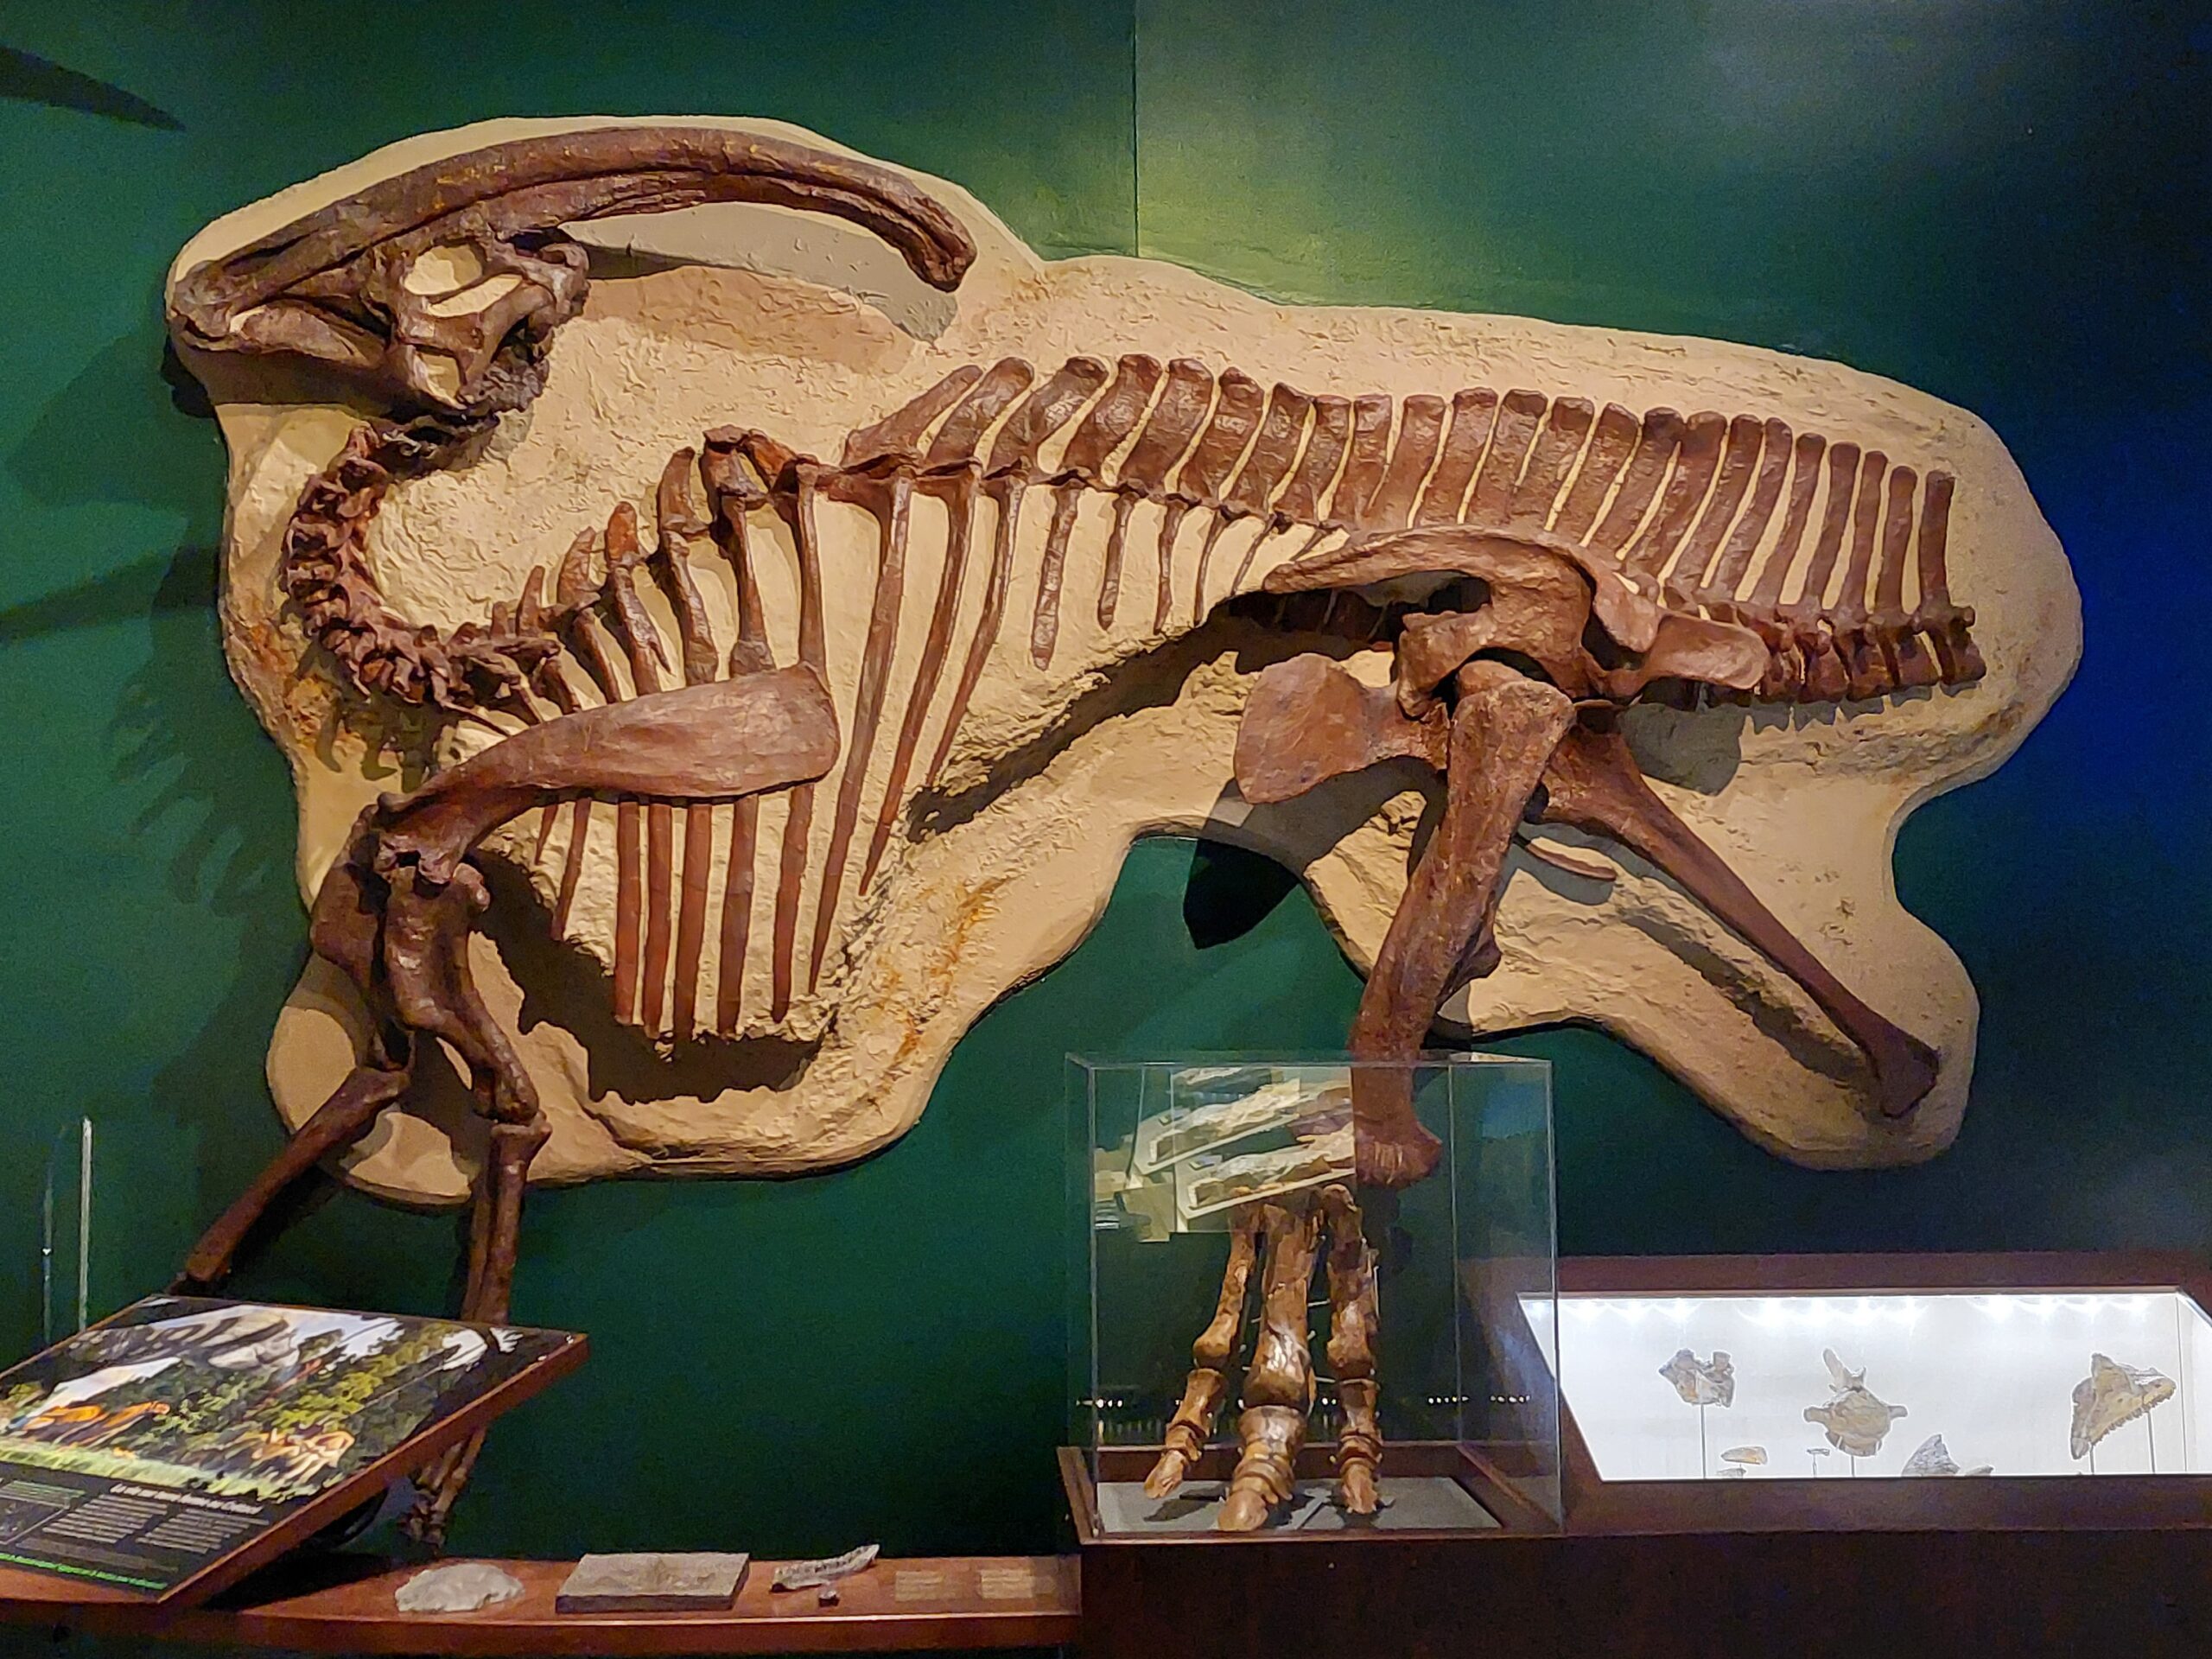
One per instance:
(777, 645)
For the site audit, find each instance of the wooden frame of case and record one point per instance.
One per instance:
(1691, 1569)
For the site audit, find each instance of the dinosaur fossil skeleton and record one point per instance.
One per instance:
(742, 729)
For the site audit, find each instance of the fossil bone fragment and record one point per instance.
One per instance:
(1753, 1455)
(1933, 1459)
(2111, 1395)
(1855, 1420)
(456, 1587)
(1053, 581)
(1169, 1140)
(1284, 1237)
(807, 1576)
(1702, 1381)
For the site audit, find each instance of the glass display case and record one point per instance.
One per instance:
(1262, 1344)
(1963, 1390)
(1896, 1383)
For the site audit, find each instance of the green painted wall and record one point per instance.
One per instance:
(2003, 205)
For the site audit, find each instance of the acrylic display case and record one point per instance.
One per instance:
(1944, 1389)
(1171, 1157)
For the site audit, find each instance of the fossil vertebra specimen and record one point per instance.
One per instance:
(1702, 1381)
(1856, 1422)
(2111, 1395)
(886, 619)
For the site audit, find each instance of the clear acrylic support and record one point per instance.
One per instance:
(64, 1263)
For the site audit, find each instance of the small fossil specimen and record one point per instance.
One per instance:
(806, 1575)
(2113, 1393)
(1934, 1458)
(1750, 1454)
(456, 1587)
(1702, 1381)
(1855, 1420)
(651, 1583)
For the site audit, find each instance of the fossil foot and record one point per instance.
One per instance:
(1167, 1475)
(1356, 1490)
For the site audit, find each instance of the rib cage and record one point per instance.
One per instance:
(1813, 545)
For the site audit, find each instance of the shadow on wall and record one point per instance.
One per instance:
(205, 792)
(32, 79)
(210, 788)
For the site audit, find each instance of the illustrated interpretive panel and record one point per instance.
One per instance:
(186, 1437)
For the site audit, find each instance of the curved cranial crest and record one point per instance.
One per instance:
(440, 288)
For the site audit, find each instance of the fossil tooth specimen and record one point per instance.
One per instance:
(1702, 1381)
(2113, 1393)
(1750, 1454)
(1856, 1422)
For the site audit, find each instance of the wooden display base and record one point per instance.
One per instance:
(967, 1602)
(2118, 1565)
(1711, 1592)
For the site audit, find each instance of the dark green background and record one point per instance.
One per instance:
(2005, 205)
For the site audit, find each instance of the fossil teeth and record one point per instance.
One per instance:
(2111, 1395)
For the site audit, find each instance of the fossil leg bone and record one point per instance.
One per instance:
(495, 1234)
(340, 1121)
(1192, 1424)
(1279, 1386)
(397, 913)
(1351, 1351)
(394, 913)
(1503, 731)
(1593, 783)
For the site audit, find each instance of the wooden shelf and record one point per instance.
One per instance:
(922, 1603)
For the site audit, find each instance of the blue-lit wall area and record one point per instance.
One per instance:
(2003, 205)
